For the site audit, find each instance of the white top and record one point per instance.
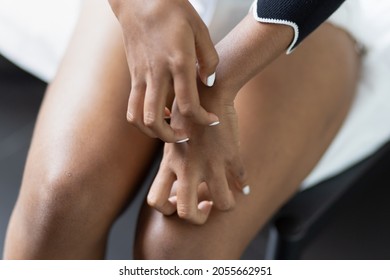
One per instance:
(34, 35)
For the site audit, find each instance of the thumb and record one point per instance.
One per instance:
(207, 56)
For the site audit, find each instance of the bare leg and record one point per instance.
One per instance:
(288, 116)
(85, 159)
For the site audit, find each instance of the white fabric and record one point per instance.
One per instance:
(205, 9)
(227, 13)
(34, 34)
(367, 127)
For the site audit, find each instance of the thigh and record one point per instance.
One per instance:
(85, 160)
(288, 116)
(82, 130)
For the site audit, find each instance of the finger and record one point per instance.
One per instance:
(207, 55)
(158, 196)
(154, 111)
(187, 97)
(173, 190)
(135, 107)
(167, 113)
(204, 205)
(239, 175)
(220, 192)
(187, 203)
(173, 200)
(204, 197)
(203, 192)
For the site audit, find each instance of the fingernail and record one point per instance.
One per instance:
(246, 190)
(205, 205)
(215, 123)
(210, 80)
(183, 141)
(173, 200)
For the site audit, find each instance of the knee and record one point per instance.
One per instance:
(162, 238)
(58, 216)
(154, 246)
(52, 203)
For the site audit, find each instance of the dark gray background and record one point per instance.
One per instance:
(359, 231)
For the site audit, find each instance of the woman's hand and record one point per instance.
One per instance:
(167, 46)
(204, 171)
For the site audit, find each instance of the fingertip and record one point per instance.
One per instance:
(246, 190)
(214, 123)
(169, 211)
(204, 117)
(240, 177)
(159, 193)
(210, 80)
(183, 140)
(169, 135)
(205, 207)
(213, 120)
(173, 200)
(167, 113)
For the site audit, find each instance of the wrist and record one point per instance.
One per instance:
(246, 51)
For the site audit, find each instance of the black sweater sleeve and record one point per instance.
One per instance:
(302, 15)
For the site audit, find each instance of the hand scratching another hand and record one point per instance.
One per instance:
(204, 172)
(167, 46)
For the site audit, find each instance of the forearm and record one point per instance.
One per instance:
(247, 50)
(275, 27)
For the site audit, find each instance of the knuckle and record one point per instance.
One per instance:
(231, 159)
(150, 119)
(185, 213)
(187, 110)
(137, 86)
(131, 118)
(224, 205)
(180, 63)
(240, 174)
(154, 202)
(236, 168)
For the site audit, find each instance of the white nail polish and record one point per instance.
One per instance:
(183, 141)
(215, 123)
(246, 190)
(211, 80)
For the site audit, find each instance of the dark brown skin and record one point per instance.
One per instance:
(165, 40)
(156, 44)
(85, 161)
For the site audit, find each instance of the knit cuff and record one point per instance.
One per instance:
(302, 16)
